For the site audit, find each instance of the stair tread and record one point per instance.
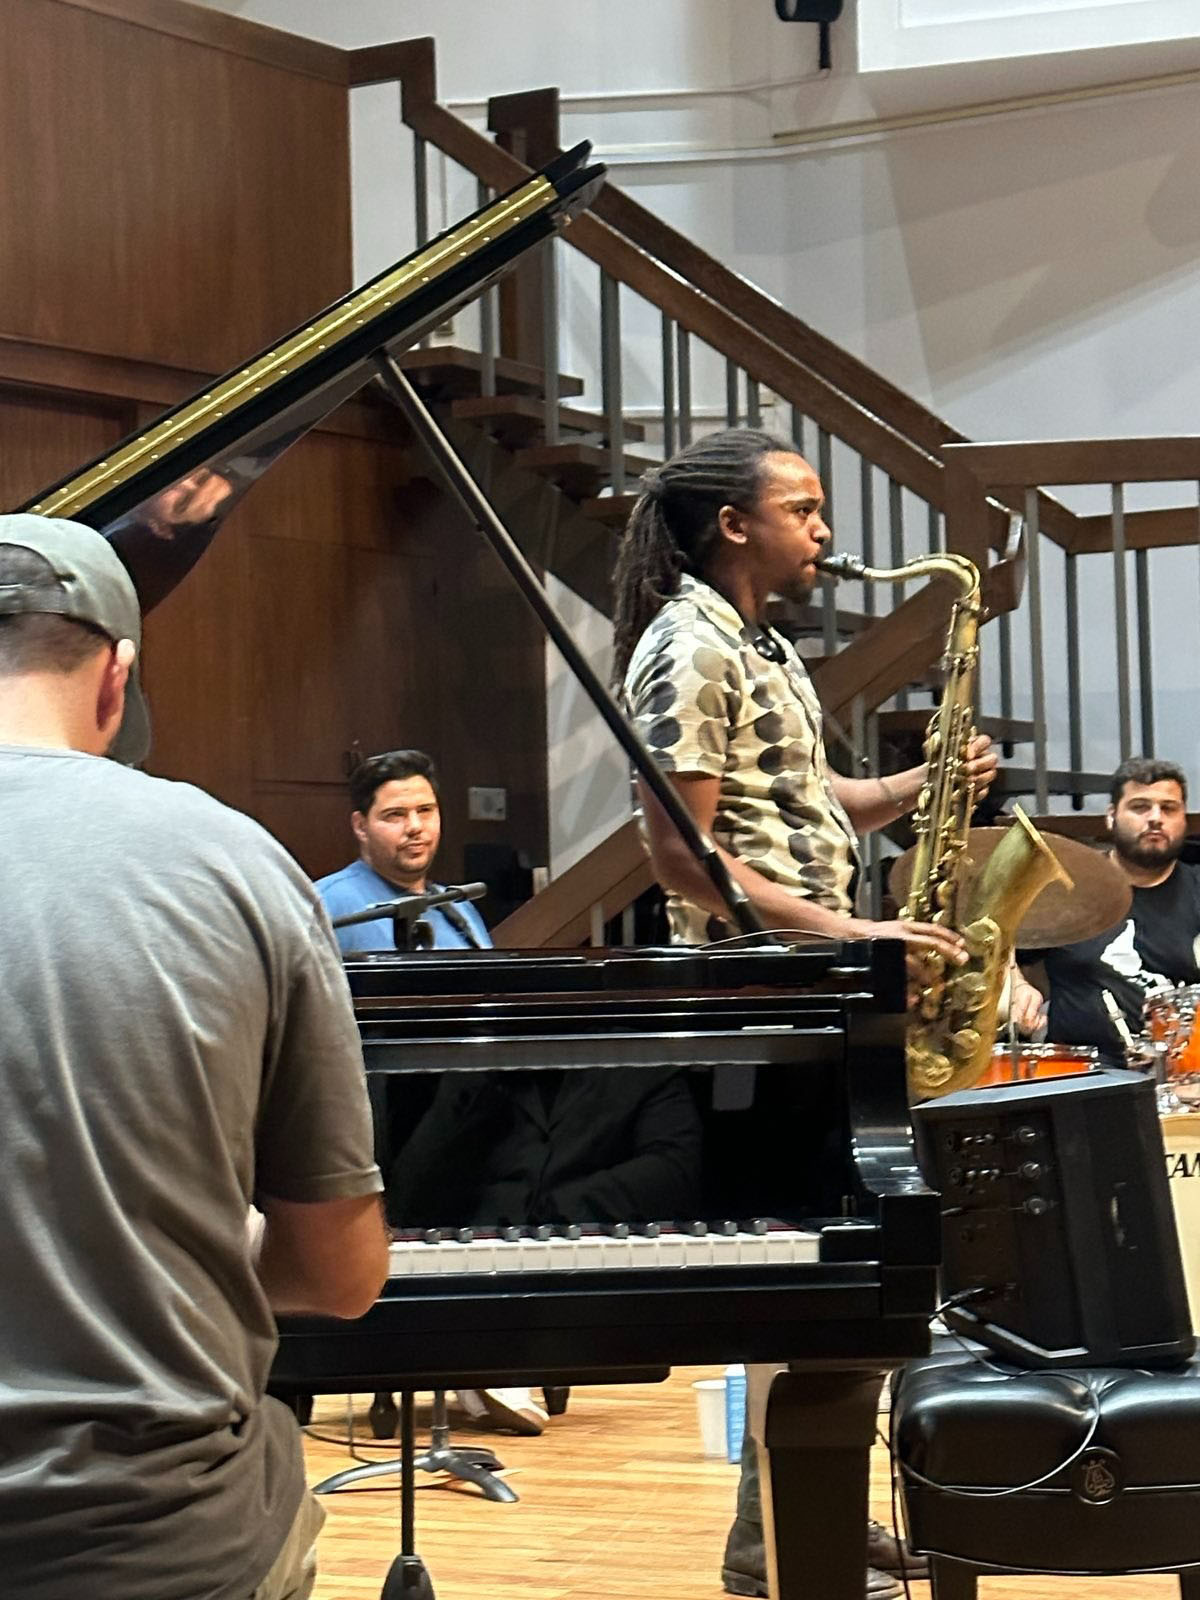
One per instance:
(614, 508)
(1090, 824)
(519, 419)
(914, 720)
(579, 469)
(455, 372)
(1059, 780)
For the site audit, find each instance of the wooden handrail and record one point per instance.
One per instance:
(695, 312)
(611, 876)
(235, 35)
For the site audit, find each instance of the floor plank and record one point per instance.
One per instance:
(617, 1503)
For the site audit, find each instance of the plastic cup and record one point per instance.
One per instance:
(710, 1404)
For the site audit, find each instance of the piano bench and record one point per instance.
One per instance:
(994, 1478)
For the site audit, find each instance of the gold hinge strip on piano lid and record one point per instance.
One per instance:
(327, 330)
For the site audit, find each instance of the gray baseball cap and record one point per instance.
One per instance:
(90, 584)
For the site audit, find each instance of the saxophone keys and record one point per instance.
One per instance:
(981, 938)
(964, 1043)
(971, 990)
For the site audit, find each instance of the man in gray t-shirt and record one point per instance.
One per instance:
(177, 1043)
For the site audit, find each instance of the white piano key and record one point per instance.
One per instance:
(535, 1255)
(725, 1250)
(670, 1249)
(508, 1255)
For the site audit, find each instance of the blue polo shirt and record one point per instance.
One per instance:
(357, 886)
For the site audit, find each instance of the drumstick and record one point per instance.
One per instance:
(1117, 1017)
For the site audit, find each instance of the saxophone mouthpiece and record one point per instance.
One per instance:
(840, 566)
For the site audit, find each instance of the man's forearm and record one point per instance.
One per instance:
(872, 803)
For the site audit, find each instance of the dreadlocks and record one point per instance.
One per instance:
(673, 527)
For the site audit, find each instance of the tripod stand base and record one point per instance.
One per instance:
(473, 1466)
(407, 1579)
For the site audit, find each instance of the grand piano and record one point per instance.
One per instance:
(601, 1163)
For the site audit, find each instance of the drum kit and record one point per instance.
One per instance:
(1169, 1044)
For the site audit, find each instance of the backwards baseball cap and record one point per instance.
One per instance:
(85, 581)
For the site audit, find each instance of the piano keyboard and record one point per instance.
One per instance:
(451, 1252)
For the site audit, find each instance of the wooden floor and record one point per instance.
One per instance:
(617, 1503)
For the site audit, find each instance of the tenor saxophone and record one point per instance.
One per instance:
(952, 1018)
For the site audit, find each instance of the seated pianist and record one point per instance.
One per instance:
(397, 821)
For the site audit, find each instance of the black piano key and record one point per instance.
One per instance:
(727, 1228)
(758, 1225)
(510, 1234)
(462, 1235)
(616, 1230)
(432, 1235)
(647, 1230)
(542, 1231)
(693, 1228)
(568, 1230)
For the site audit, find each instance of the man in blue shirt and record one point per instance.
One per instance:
(398, 824)
(397, 821)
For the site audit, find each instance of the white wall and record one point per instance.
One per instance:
(1028, 272)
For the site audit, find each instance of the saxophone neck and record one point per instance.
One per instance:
(946, 564)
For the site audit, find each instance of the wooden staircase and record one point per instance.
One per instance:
(561, 472)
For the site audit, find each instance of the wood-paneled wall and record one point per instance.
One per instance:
(163, 198)
(186, 204)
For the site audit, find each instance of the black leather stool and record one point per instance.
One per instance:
(1128, 1501)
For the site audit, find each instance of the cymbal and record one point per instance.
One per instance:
(1101, 897)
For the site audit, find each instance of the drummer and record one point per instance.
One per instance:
(1157, 945)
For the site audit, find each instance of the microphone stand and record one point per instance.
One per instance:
(407, 909)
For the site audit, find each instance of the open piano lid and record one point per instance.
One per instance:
(161, 494)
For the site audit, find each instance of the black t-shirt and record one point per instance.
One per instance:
(1159, 940)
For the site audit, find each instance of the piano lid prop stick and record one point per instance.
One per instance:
(477, 506)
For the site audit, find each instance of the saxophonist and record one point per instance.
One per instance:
(725, 701)
(726, 704)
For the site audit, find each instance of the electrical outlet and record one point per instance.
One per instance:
(487, 805)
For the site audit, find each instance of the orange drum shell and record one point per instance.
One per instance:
(1030, 1061)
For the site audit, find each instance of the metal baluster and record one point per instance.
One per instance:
(1037, 676)
(421, 203)
(1074, 680)
(668, 387)
(421, 190)
(867, 493)
(1121, 598)
(753, 403)
(732, 397)
(798, 425)
(1141, 567)
(829, 628)
(896, 531)
(935, 530)
(874, 853)
(1004, 624)
(610, 378)
(683, 347)
(550, 340)
(487, 320)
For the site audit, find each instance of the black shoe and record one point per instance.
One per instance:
(879, 1585)
(890, 1554)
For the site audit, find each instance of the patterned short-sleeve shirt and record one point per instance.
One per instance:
(707, 700)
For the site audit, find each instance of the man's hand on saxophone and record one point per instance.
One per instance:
(872, 803)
